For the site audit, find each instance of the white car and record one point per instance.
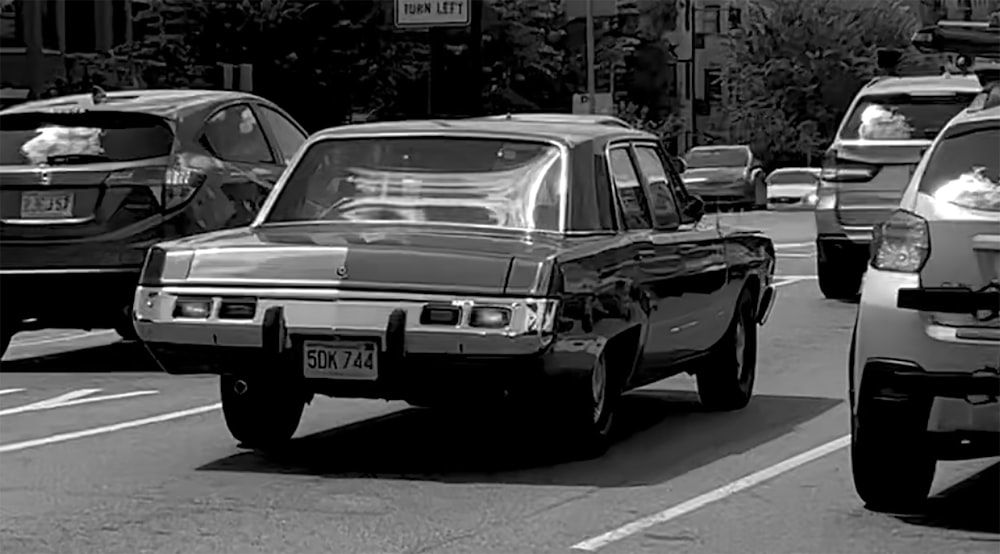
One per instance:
(792, 188)
(924, 368)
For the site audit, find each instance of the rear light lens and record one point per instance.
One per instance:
(440, 314)
(902, 243)
(152, 269)
(826, 196)
(490, 317)
(193, 307)
(171, 186)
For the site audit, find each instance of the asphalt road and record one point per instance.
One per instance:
(100, 453)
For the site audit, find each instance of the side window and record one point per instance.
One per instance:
(635, 209)
(285, 132)
(665, 212)
(234, 135)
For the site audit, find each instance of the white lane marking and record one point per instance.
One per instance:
(9, 391)
(73, 398)
(63, 437)
(62, 338)
(793, 244)
(712, 496)
(783, 280)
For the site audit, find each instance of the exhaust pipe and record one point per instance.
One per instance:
(240, 387)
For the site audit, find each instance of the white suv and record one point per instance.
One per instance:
(925, 356)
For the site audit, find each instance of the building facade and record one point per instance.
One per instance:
(36, 35)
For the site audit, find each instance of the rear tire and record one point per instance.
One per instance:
(260, 413)
(726, 382)
(125, 327)
(839, 281)
(892, 469)
(590, 411)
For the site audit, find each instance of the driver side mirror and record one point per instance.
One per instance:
(694, 208)
(682, 165)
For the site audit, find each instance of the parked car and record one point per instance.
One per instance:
(925, 356)
(888, 126)
(565, 264)
(89, 182)
(792, 188)
(726, 177)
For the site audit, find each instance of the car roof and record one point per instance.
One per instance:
(780, 170)
(559, 117)
(565, 133)
(924, 83)
(169, 103)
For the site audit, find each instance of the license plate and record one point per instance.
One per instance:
(336, 359)
(46, 205)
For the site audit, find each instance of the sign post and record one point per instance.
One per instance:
(431, 15)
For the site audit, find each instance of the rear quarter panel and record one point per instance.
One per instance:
(750, 258)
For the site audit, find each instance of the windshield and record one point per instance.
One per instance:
(472, 181)
(716, 157)
(964, 170)
(792, 178)
(903, 117)
(80, 138)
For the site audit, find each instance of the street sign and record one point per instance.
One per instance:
(603, 103)
(432, 13)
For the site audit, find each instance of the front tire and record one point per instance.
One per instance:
(892, 469)
(726, 382)
(261, 414)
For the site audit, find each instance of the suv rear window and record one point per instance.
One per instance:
(903, 116)
(964, 169)
(80, 138)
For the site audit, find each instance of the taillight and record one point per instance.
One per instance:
(902, 243)
(171, 186)
(152, 269)
(838, 170)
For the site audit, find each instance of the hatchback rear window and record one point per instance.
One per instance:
(716, 157)
(903, 116)
(81, 138)
(793, 178)
(964, 169)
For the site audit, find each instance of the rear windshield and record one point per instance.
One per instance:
(80, 138)
(903, 116)
(716, 157)
(964, 170)
(469, 181)
(792, 178)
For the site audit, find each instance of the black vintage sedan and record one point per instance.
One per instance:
(557, 265)
(89, 182)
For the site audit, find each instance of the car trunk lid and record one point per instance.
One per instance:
(871, 177)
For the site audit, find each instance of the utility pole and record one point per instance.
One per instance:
(591, 77)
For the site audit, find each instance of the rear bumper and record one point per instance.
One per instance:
(900, 378)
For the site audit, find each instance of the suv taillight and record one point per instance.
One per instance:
(838, 170)
(901, 243)
(171, 186)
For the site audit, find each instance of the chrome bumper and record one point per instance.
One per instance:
(315, 312)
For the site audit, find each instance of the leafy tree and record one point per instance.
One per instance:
(794, 67)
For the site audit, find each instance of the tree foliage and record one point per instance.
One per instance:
(794, 67)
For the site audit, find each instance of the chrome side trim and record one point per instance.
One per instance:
(37, 222)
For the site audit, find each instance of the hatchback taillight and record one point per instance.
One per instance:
(171, 186)
(901, 243)
(838, 170)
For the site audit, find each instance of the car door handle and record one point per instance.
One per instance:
(645, 253)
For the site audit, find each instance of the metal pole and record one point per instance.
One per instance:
(591, 80)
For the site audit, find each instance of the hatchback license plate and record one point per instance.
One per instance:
(46, 205)
(337, 359)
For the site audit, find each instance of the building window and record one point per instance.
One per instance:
(713, 86)
(710, 20)
(12, 29)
